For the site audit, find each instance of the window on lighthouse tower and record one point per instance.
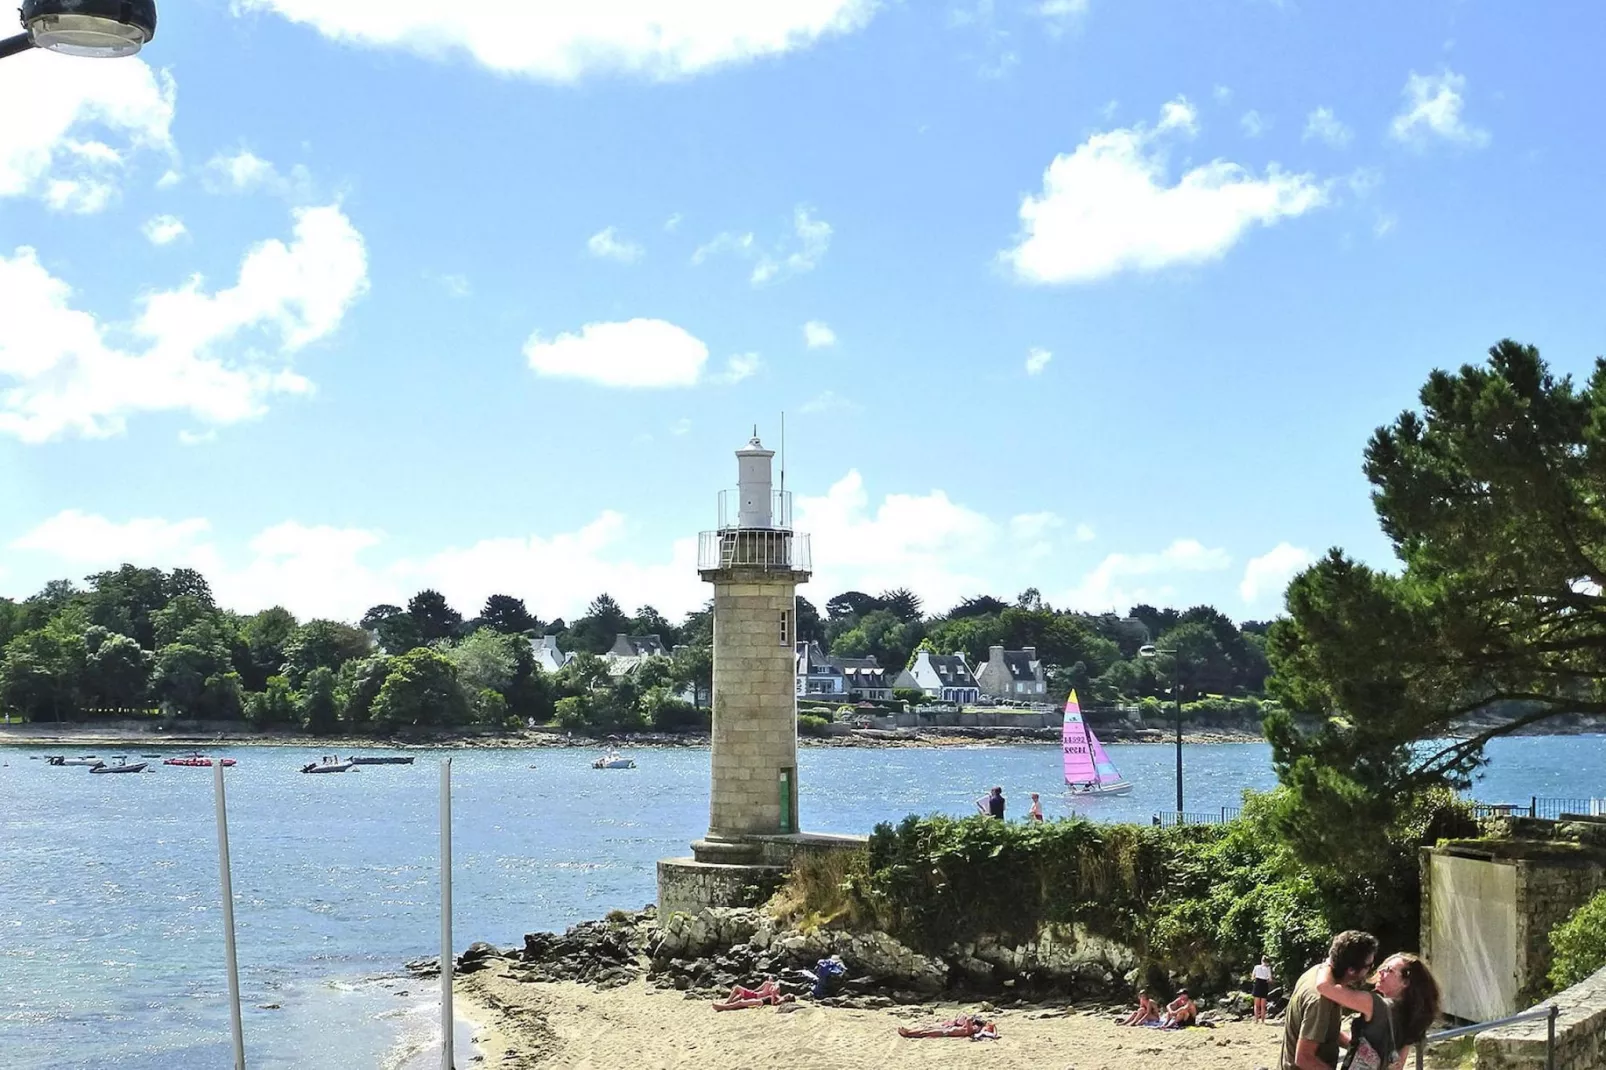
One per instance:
(786, 629)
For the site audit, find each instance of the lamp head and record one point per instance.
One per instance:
(95, 28)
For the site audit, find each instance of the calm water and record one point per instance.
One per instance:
(111, 953)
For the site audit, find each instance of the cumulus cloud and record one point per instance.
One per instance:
(605, 245)
(68, 137)
(1433, 105)
(1124, 579)
(739, 367)
(817, 335)
(561, 42)
(1037, 359)
(246, 172)
(1253, 124)
(164, 229)
(60, 374)
(1268, 575)
(796, 255)
(1323, 125)
(1108, 206)
(1085, 533)
(635, 353)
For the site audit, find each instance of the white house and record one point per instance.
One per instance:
(944, 677)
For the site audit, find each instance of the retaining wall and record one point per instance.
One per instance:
(1580, 1034)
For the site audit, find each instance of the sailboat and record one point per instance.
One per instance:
(1088, 769)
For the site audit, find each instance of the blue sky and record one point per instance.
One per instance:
(337, 301)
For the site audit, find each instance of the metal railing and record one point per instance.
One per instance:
(779, 515)
(1549, 1012)
(1550, 807)
(759, 548)
(1172, 818)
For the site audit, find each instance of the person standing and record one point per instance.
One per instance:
(992, 804)
(1310, 1033)
(1036, 811)
(1261, 988)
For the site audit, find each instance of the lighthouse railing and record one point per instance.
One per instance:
(779, 516)
(757, 548)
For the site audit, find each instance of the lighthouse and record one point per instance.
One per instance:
(754, 560)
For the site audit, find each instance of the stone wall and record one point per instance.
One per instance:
(754, 734)
(686, 886)
(1580, 1034)
(1547, 894)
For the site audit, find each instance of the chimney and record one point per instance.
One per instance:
(1031, 653)
(996, 654)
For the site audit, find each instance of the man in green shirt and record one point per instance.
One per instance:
(1310, 1037)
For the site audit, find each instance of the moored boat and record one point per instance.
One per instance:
(57, 759)
(614, 760)
(326, 767)
(121, 765)
(1088, 768)
(391, 759)
(199, 761)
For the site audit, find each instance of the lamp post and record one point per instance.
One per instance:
(95, 28)
(1147, 651)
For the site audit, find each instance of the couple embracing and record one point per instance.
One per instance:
(1388, 1019)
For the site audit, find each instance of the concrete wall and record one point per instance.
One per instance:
(1580, 1034)
(754, 734)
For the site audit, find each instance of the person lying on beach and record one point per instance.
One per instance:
(767, 993)
(1179, 1012)
(1148, 1011)
(966, 1025)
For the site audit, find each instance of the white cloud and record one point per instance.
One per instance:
(1384, 224)
(672, 224)
(563, 42)
(1323, 125)
(67, 378)
(196, 438)
(1433, 104)
(1269, 573)
(246, 172)
(85, 540)
(50, 141)
(1032, 533)
(1085, 533)
(164, 229)
(813, 239)
(1037, 359)
(817, 335)
(455, 285)
(605, 245)
(635, 353)
(829, 401)
(169, 179)
(1222, 94)
(737, 244)
(1253, 124)
(1110, 585)
(1107, 208)
(739, 367)
(680, 427)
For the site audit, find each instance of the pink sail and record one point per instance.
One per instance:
(1079, 767)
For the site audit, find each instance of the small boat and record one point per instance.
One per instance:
(59, 760)
(392, 759)
(326, 767)
(613, 760)
(1088, 769)
(199, 761)
(121, 766)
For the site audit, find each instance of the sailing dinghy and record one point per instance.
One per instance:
(1088, 769)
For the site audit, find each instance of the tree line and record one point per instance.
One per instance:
(144, 639)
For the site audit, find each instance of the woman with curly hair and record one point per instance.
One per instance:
(1390, 1019)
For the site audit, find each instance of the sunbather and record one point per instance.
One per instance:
(1179, 1012)
(1148, 1012)
(966, 1025)
(767, 993)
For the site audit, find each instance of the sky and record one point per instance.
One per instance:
(1102, 297)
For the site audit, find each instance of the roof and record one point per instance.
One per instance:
(639, 646)
(1021, 665)
(951, 668)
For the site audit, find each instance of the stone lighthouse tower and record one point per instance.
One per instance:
(755, 562)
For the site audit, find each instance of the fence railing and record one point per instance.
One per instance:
(1546, 806)
(1172, 818)
(1549, 1011)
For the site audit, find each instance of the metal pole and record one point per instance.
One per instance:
(1550, 1037)
(1419, 1046)
(1176, 690)
(446, 916)
(228, 917)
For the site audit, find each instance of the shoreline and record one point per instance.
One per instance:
(561, 1025)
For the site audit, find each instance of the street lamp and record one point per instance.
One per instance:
(95, 28)
(1148, 651)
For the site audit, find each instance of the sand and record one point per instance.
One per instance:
(530, 1025)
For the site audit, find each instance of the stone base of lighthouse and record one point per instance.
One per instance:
(691, 885)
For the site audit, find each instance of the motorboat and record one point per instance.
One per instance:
(57, 759)
(121, 765)
(390, 759)
(199, 761)
(326, 767)
(613, 760)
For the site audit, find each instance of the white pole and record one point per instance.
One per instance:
(446, 915)
(228, 917)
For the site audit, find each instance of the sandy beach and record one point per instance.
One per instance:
(534, 1025)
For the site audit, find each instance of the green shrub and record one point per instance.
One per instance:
(909, 696)
(1578, 945)
(808, 725)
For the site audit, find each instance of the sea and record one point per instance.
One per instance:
(111, 933)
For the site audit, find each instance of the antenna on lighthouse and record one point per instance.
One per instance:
(783, 452)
